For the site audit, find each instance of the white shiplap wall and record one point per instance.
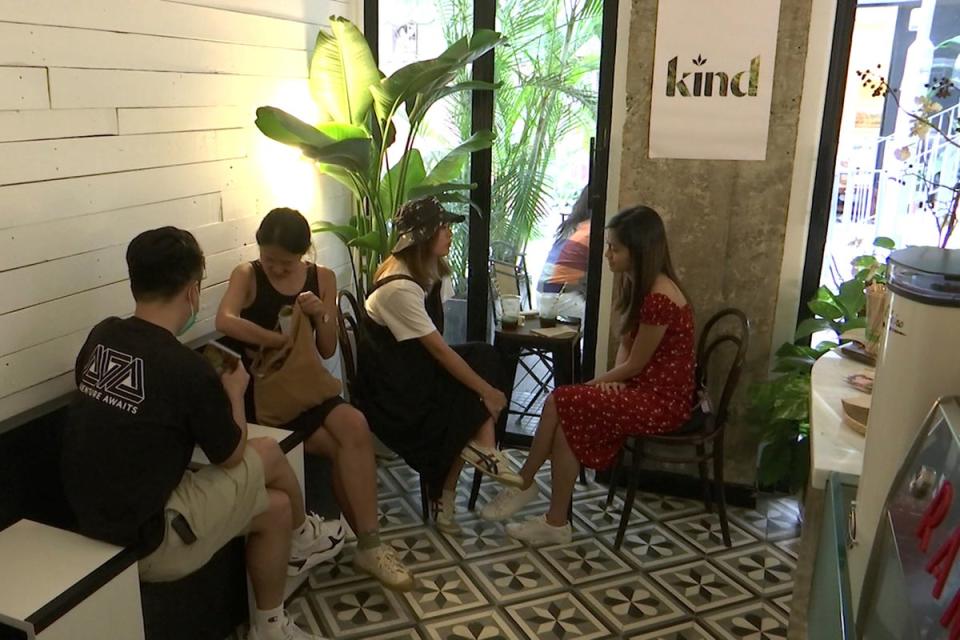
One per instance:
(122, 115)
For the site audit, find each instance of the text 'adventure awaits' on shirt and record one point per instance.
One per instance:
(144, 401)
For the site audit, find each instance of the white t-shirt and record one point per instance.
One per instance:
(400, 306)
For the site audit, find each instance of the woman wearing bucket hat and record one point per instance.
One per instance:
(435, 405)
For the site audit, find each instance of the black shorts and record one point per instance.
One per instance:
(312, 419)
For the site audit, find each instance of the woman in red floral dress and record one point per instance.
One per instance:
(650, 390)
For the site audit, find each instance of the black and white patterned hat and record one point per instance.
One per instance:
(418, 221)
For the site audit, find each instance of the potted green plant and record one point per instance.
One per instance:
(351, 144)
(779, 408)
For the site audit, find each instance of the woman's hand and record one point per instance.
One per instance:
(493, 400)
(278, 340)
(611, 387)
(311, 305)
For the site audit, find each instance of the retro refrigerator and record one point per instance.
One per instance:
(919, 363)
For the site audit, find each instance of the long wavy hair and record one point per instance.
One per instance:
(640, 229)
(426, 268)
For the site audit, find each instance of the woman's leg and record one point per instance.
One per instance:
(349, 445)
(543, 441)
(486, 435)
(450, 482)
(322, 444)
(564, 468)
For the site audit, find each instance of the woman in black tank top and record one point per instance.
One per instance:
(248, 316)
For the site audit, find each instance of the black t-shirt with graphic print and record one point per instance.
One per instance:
(143, 402)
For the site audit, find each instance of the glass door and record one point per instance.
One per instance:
(545, 114)
(412, 30)
(895, 180)
(531, 201)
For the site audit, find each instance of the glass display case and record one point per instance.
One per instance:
(912, 588)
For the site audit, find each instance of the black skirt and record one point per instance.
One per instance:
(415, 406)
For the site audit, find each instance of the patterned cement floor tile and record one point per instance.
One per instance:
(404, 634)
(479, 539)
(753, 520)
(484, 625)
(405, 478)
(652, 545)
(754, 621)
(420, 549)
(303, 616)
(632, 604)
(515, 576)
(584, 561)
(784, 602)
(690, 630)
(594, 513)
(360, 610)
(396, 513)
(560, 617)
(336, 571)
(442, 592)
(585, 589)
(705, 533)
(766, 571)
(791, 547)
(701, 586)
(660, 507)
(387, 487)
(770, 520)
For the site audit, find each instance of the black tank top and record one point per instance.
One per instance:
(266, 306)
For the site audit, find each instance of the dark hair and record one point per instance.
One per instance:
(426, 268)
(640, 229)
(579, 213)
(161, 262)
(285, 228)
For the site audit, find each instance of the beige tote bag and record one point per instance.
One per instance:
(291, 380)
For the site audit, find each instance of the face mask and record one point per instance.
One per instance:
(192, 320)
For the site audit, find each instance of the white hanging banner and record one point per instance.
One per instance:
(713, 78)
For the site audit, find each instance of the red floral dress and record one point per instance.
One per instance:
(657, 400)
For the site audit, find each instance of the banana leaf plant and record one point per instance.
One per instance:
(358, 105)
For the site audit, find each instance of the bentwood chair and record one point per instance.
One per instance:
(700, 440)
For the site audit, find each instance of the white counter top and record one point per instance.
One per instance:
(833, 445)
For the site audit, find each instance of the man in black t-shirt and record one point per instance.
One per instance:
(144, 401)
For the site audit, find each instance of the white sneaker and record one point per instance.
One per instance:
(445, 518)
(383, 564)
(286, 631)
(492, 462)
(323, 541)
(539, 531)
(509, 501)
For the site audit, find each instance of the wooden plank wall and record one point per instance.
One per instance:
(122, 115)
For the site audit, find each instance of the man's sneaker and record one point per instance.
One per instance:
(445, 518)
(322, 541)
(383, 564)
(493, 463)
(509, 501)
(539, 531)
(286, 631)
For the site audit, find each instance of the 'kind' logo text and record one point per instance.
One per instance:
(710, 83)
